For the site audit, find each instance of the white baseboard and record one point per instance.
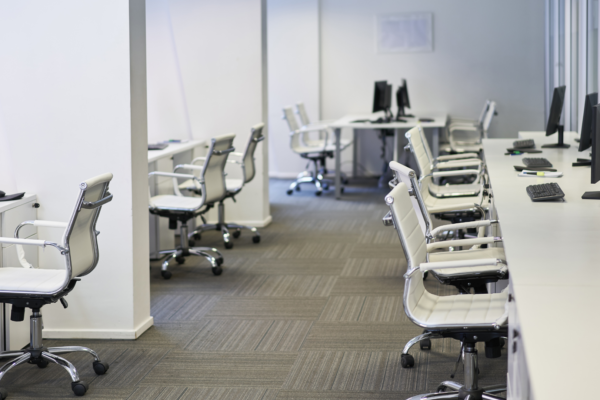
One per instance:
(99, 333)
(255, 223)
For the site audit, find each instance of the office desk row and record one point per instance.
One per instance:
(553, 254)
(435, 126)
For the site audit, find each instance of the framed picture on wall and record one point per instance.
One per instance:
(404, 33)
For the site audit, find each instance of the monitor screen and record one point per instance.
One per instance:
(388, 97)
(558, 98)
(379, 96)
(595, 145)
(405, 100)
(586, 133)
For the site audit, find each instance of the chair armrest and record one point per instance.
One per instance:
(467, 206)
(454, 264)
(387, 219)
(198, 159)
(462, 225)
(174, 175)
(457, 156)
(459, 163)
(46, 224)
(33, 242)
(439, 174)
(453, 128)
(189, 167)
(462, 242)
(233, 154)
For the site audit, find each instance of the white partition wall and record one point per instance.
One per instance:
(73, 105)
(219, 56)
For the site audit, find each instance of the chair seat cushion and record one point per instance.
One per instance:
(468, 189)
(466, 309)
(31, 279)
(435, 205)
(178, 203)
(190, 184)
(234, 185)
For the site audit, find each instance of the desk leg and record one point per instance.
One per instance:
(338, 164)
(435, 138)
(396, 144)
(354, 153)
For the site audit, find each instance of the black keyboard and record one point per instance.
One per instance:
(537, 162)
(523, 144)
(545, 191)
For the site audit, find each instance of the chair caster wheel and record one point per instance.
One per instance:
(180, 260)
(79, 388)
(297, 188)
(425, 275)
(228, 245)
(219, 260)
(100, 367)
(318, 193)
(441, 389)
(325, 186)
(289, 192)
(407, 361)
(217, 270)
(191, 243)
(3, 393)
(236, 234)
(256, 239)
(425, 344)
(42, 364)
(166, 274)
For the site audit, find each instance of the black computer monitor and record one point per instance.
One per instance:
(586, 133)
(402, 100)
(558, 99)
(595, 153)
(382, 98)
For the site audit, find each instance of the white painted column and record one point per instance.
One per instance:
(73, 105)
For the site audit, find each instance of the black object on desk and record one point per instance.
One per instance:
(10, 197)
(545, 192)
(523, 144)
(426, 120)
(522, 151)
(521, 168)
(158, 146)
(537, 162)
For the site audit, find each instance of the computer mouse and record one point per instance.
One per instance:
(2, 194)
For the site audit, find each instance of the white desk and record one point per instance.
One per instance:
(553, 254)
(15, 335)
(439, 121)
(165, 160)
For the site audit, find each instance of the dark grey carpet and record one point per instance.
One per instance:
(312, 312)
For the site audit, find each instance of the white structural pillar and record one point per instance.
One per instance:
(73, 105)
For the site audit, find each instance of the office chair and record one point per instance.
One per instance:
(470, 318)
(179, 208)
(415, 145)
(233, 186)
(34, 288)
(462, 278)
(454, 121)
(465, 138)
(305, 121)
(317, 154)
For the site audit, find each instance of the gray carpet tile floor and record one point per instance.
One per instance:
(314, 311)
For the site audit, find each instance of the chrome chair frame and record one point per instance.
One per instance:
(36, 352)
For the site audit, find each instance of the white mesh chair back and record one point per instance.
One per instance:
(408, 177)
(418, 150)
(412, 240)
(302, 114)
(213, 172)
(256, 136)
(425, 144)
(288, 115)
(80, 235)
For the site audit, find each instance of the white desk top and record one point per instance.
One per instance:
(346, 122)
(553, 254)
(173, 148)
(7, 205)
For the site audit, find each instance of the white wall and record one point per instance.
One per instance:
(220, 58)
(293, 42)
(482, 49)
(72, 103)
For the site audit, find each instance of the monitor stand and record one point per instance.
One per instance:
(582, 162)
(402, 113)
(561, 140)
(591, 196)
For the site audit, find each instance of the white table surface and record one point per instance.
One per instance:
(553, 254)
(173, 148)
(7, 205)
